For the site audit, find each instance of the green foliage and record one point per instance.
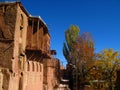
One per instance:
(79, 51)
(70, 35)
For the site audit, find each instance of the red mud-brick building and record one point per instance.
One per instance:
(25, 55)
(51, 74)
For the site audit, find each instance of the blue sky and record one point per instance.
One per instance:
(99, 17)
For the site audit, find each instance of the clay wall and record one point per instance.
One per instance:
(33, 76)
(7, 30)
(51, 73)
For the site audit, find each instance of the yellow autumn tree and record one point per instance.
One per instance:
(107, 64)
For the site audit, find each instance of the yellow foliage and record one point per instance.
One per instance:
(107, 64)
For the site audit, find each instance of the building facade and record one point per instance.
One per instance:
(25, 55)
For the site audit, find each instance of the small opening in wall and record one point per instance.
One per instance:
(22, 20)
(21, 73)
(33, 67)
(28, 66)
(12, 57)
(11, 71)
(3, 87)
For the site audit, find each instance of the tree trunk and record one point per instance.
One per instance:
(117, 85)
(110, 86)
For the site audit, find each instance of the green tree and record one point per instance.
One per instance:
(70, 36)
(78, 51)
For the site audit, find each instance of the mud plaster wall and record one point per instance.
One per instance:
(4, 78)
(7, 27)
(19, 37)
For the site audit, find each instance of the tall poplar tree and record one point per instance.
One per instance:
(78, 51)
(70, 36)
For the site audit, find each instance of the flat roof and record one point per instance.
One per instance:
(25, 11)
